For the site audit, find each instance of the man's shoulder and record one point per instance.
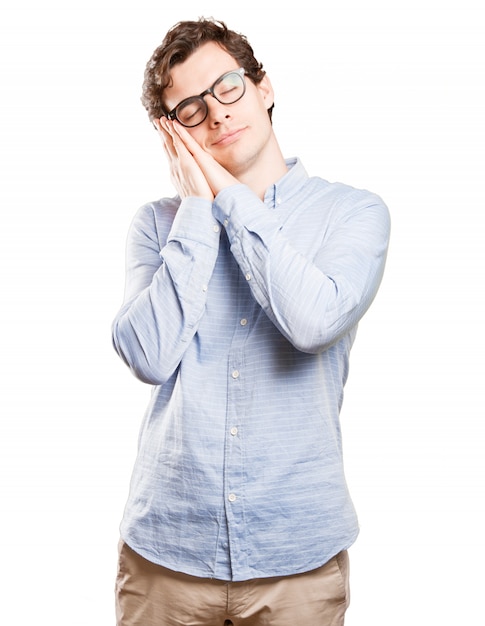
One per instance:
(161, 208)
(154, 219)
(336, 193)
(158, 212)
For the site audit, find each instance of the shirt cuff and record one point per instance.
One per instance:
(238, 208)
(194, 222)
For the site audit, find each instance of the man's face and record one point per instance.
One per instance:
(236, 135)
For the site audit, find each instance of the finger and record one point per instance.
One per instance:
(185, 137)
(180, 141)
(160, 128)
(215, 174)
(166, 137)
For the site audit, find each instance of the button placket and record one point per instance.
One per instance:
(234, 469)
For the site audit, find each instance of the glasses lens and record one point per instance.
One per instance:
(230, 88)
(191, 111)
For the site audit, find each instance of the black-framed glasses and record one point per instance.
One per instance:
(228, 88)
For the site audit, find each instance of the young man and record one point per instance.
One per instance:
(242, 299)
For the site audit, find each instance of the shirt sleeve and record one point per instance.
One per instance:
(312, 298)
(165, 288)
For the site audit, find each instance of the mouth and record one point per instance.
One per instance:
(229, 137)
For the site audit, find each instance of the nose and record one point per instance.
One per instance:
(217, 112)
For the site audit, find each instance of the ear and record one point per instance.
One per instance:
(266, 90)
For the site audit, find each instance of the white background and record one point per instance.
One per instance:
(384, 95)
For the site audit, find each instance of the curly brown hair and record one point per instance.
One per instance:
(179, 43)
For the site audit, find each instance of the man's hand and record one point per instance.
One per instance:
(185, 173)
(194, 171)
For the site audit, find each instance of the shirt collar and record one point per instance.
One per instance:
(286, 186)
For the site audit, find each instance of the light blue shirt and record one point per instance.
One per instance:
(242, 314)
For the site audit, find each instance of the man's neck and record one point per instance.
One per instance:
(265, 171)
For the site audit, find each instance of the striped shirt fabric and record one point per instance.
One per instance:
(241, 315)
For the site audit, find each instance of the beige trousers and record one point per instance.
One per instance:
(150, 595)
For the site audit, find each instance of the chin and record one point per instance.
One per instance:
(231, 165)
(240, 164)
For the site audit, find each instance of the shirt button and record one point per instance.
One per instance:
(233, 431)
(216, 228)
(248, 276)
(243, 322)
(235, 374)
(226, 222)
(232, 497)
(204, 287)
